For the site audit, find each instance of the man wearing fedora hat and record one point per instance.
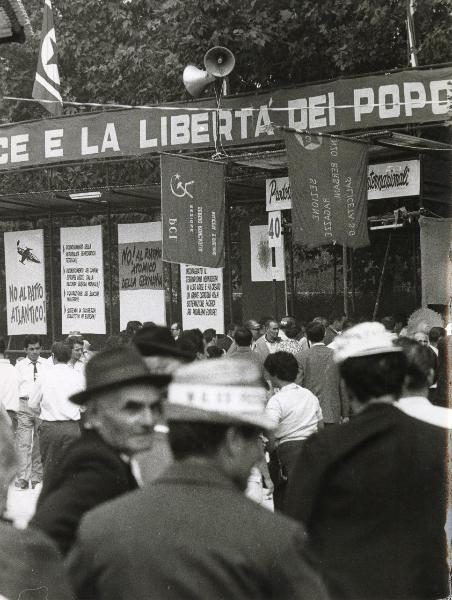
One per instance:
(373, 492)
(192, 533)
(123, 404)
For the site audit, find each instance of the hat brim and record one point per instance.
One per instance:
(158, 381)
(179, 412)
(149, 348)
(369, 352)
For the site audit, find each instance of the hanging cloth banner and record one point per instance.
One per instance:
(141, 291)
(192, 211)
(82, 280)
(328, 180)
(25, 282)
(436, 260)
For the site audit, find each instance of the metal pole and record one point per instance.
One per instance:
(227, 258)
(380, 285)
(352, 282)
(292, 277)
(345, 279)
(411, 35)
(170, 278)
(275, 291)
(51, 282)
(110, 269)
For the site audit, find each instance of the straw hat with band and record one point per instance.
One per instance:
(223, 391)
(365, 339)
(116, 367)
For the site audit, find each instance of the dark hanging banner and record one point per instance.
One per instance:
(193, 194)
(328, 179)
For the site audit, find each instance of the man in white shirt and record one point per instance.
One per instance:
(9, 390)
(76, 360)
(60, 418)
(28, 370)
(295, 414)
(414, 400)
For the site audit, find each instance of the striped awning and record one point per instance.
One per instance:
(14, 22)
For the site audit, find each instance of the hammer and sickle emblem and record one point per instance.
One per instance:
(178, 188)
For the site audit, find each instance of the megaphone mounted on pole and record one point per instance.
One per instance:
(219, 63)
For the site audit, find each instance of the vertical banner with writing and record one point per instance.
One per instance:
(202, 298)
(436, 260)
(141, 290)
(82, 280)
(25, 282)
(328, 181)
(192, 211)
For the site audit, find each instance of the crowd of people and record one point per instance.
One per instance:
(305, 461)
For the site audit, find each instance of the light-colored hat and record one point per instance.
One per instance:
(364, 339)
(222, 390)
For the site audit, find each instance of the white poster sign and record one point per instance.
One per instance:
(141, 289)
(278, 195)
(25, 282)
(261, 256)
(82, 280)
(274, 229)
(202, 298)
(393, 180)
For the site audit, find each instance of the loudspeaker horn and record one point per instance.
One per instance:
(219, 61)
(196, 80)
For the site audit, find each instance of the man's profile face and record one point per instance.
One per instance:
(33, 351)
(272, 331)
(175, 331)
(255, 329)
(125, 417)
(77, 351)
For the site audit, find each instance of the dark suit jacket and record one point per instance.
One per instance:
(30, 566)
(320, 375)
(190, 535)
(92, 473)
(372, 494)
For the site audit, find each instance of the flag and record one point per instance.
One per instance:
(328, 180)
(47, 81)
(193, 210)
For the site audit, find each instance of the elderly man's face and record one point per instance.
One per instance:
(272, 331)
(125, 418)
(421, 337)
(175, 331)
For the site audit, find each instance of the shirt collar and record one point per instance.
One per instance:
(317, 344)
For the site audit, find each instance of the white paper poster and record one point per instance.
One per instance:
(395, 179)
(25, 282)
(82, 280)
(141, 289)
(261, 256)
(202, 298)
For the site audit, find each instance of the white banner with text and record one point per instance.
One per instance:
(25, 282)
(141, 290)
(202, 298)
(82, 280)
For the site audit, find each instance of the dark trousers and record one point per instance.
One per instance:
(54, 439)
(282, 463)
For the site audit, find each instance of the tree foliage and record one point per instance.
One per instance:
(134, 51)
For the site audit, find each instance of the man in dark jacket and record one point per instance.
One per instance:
(123, 401)
(373, 492)
(192, 533)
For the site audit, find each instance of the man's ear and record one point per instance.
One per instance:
(431, 377)
(233, 441)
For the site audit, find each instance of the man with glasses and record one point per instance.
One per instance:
(176, 330)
